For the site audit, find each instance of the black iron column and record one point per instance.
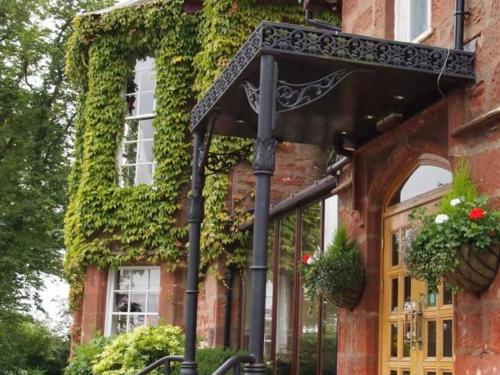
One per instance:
(195, 218)
(263, 167)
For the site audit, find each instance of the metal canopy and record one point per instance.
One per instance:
(329, 82)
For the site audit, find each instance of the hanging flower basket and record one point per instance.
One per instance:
(460, 244)
(337, 273)
(475, 271)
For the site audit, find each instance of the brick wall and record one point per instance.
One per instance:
(477, 330)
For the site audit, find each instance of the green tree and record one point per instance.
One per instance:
(36, 118)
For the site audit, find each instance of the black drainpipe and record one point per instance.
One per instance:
(229, 302)
(459, 24)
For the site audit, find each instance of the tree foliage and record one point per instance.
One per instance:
(36, 117)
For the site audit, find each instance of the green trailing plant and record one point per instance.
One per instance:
(337, 273)
(463, 219)
(107, 225)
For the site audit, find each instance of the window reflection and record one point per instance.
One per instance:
(285, 297)
(308, 308)
(295, 322)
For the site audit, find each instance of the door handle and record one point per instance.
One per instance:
(412, 334)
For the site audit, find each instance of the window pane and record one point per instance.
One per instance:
(139, 279)
(308, 325)
(131, 130)
(431, 298)
(394, 294)
(146, 129)
(407, 290)
(129, 155)
(153, 302)
(406, 372)
(418, 22)
(424, 179)
(144, 174)
(131, 100)
(269, 294)
(147, 80)
(146, 103)
(123, 280)
(154, 279)
(118, 324)
(329, 339)
(143, 64)
(394, 372)
(447, 338)
(394, 340)
(136, 321)
(128, 175)
(447, 294)
(395, 249)
(431, 338)
(284, 321)
(331, 219)
(120, 303)
(137, 302)
(144, 151)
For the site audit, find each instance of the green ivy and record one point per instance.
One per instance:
(107, 225)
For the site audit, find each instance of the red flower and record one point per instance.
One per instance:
(476, 213)
(305, 258)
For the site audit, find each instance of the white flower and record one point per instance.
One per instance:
(455, 201)
(309, 260)
(441, 218)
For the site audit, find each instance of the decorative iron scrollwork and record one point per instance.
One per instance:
(290, 96)
(294, 40)
(265, 151)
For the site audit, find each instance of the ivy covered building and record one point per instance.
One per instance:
(368, 123)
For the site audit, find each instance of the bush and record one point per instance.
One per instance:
(210, 359)
(130, 352)
(85, 354)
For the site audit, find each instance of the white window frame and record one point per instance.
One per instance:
(403, 34)
(145, 116)
(112, 274)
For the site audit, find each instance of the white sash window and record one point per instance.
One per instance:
(412, 21)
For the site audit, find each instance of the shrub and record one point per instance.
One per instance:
(210, 359)
(337, 273)
(130, 352)
(85, 354)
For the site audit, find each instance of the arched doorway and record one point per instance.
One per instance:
(416, 326)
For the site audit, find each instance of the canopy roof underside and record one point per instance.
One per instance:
(330, 82)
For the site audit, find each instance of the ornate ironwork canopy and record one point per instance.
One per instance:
(330, 82)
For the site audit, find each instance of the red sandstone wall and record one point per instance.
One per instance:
(477, 334)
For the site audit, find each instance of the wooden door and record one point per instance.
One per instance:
(416, 327)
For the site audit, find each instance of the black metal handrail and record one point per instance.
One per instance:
(162, 361)
(234, 363)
